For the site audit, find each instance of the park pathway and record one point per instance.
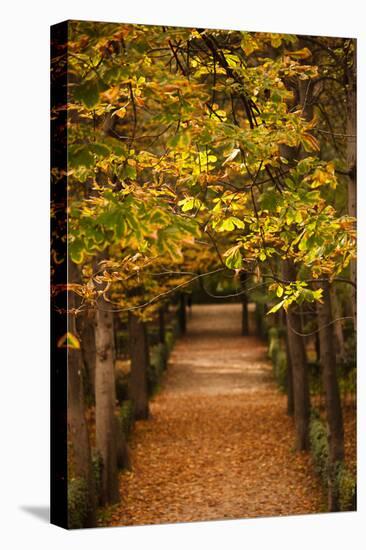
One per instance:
(219, 443)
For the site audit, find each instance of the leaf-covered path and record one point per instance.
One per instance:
(219, 443)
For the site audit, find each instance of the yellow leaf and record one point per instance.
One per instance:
(68, 340)
(121, 113)
(304, 53)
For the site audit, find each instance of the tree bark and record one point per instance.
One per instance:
(139, 353)
(162, 325)
(298, 362)
(123, 457)
(338, 328)
(182, 316)
(289, 380)
(245, 310)
(105, 402)
(88, 350)
(332, 397)
(78, 435)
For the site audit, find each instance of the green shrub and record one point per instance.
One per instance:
(157, 365)
(126, 417)
(169, 341)
(97, 462)
(121, 386)
(347, 489)
(319, 446)
(346, 483)
(278, 357)
(280, 368)
(77, 503)
(121, 342)
(274, 342)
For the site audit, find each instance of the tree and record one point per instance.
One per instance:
(105, 403)
(180, 167)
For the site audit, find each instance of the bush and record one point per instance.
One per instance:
(319, 446)
(126, 417)
(278, 357)
(121, 386)
(346, 483)
(347, 489)
(169, 341)
(280, 369)
(274, 343)
(157, 365)
(97, 463)
(77, 503)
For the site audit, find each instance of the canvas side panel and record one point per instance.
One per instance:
(59, 35)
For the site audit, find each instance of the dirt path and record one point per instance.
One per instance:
(218, 444)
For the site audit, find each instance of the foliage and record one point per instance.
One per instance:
(121, 386)
(278, 357)
(346, 483)
(77, 499)
(319, 446)
(176, 138)
(97, 462)
(126, 416)
(347, 488)
(157, 365)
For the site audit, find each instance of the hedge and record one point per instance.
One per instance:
(77, 496)
(346, 482)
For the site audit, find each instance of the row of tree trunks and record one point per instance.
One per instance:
(105, 403)
(244, 305)
(289, 375)
(182, 314)
(298, 362)
(338, 328)
(161, 325)
(78, 435)
(139, 354)
(88, 350)
(332, 396)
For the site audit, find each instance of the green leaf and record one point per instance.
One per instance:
(189, 203)
(279, 291)
(99, 149)
(76, 251)
(80, 155)
(88, 93)
(130, 172)
(276, 307)
(230, 223)
(233, 257)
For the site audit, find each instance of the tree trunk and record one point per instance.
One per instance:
(332, 397)
(139, 353)
(245, 311)
(78, 435)
(289, 381)
(123, 458)
(162, 325)
(298, 362)
(105, 402)
(338, 328)
(351, 89)
(182, 317)
(88, 350)
(259, 315)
